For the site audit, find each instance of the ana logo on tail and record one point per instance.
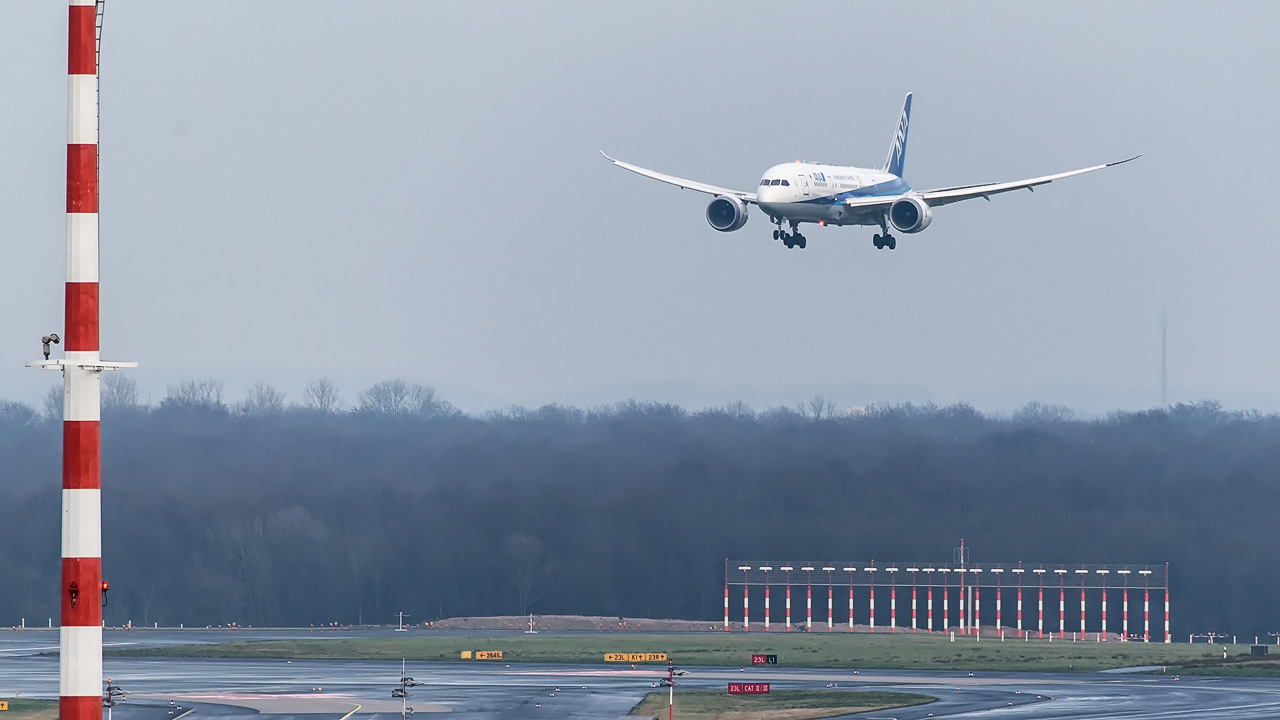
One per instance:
(898, 150)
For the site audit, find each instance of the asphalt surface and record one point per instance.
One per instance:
(314, 689)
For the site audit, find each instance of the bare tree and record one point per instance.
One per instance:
(18, 414)
(397, 397)
(1038, 412)
(53, 403)
(119, 391)
(263, 400)
(524, 562)
(821, 408)
(195, 394)
(322, 395)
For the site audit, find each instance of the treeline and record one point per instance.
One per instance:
(263, 512)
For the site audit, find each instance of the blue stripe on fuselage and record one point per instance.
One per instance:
(896, 186)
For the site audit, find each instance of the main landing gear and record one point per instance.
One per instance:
(790, 239)
(886, 240)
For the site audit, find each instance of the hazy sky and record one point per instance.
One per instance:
(373, 190)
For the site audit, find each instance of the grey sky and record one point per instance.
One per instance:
(373, 190)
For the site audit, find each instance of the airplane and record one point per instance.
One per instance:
(803, 192)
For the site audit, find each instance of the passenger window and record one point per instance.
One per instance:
(784, 182)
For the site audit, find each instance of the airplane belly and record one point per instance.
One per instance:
(805, 212)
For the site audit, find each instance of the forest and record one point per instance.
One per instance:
(270, 512)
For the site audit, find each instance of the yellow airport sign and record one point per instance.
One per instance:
(635, 657)
(4, 704)
(466, 654)
(488, 654)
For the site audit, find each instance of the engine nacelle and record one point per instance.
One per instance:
(727, 213)
(911, 214)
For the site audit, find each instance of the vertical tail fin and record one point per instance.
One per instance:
(898, 150)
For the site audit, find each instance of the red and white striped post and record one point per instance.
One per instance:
(787, 569)
(808, 602)
(872, 612)
(1018, 571)
(831, 608)
(946, 601)
(1168, 638)
(1103, 572)
(1146, 605)
(1062, 603)
(976, 625)
(766, 569)
(1084, 575)
(913, 572)
(964, 629)
(997, 571)
(1040, 603)
(80, 616)
(726, 594)
(1124, 623)
(929, 599)
(893, 599)
(746, 596)
(850, 570)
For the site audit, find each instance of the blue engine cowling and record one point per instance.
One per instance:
(911, 214)
(727, 213)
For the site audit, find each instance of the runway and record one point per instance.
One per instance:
(313, 689)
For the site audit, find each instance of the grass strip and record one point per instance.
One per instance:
(777, 705)
(809, 650)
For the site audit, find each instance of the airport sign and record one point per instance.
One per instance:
(748, 688)
(635, 657)
(764, 659)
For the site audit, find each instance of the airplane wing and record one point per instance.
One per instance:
(944, 196)
(681, 182)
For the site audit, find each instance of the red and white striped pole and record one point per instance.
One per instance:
(726, 594)
(893, 600)
(913, 597)
(1019, 572)
(746, 596)
(80, 657)
(1103, 573)
(1062, 603)
(872, 612)
(997, 571)
(850, 571)
(1040, 604)
(1083, 576)
(831, 612)
(946, 601)
(929, 599)
(1124, 624)
(977, 605)
(787, 569)
(808, 602)
(1168, 638)
(1146, 604)
(766, 569)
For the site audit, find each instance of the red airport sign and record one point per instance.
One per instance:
(764, 659)
(748, 688)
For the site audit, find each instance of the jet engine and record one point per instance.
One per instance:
(910, 214)
(727, 213)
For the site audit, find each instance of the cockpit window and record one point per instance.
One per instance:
(784, 182)
(775, 182)
(763, 183)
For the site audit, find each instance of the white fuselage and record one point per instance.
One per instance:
(812, 192)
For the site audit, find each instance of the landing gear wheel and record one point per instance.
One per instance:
(788, 241)
(875, 240)
(801, 241)
(776, 233)
(892, 242)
